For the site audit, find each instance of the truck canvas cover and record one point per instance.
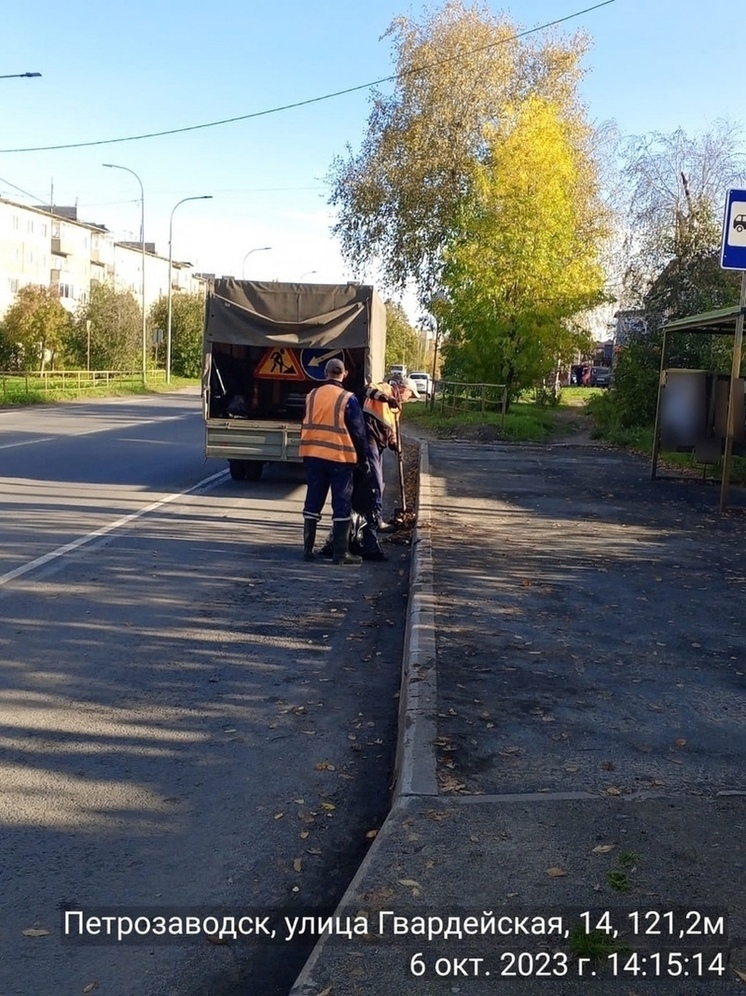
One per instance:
(266, 313)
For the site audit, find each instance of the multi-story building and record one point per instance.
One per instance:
(49, 246)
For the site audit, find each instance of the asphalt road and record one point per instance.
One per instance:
(192, 719)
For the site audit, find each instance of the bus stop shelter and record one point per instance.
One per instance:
(722, 322)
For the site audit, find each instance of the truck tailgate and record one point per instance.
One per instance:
(241, 439)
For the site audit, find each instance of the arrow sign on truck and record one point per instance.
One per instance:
(313, 361)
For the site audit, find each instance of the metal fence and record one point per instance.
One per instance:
(16, 385)
(455, 396)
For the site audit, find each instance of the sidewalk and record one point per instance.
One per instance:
(572, 740)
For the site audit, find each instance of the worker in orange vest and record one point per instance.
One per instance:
(332, 443)
(379, 407)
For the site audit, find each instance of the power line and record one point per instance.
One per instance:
(20, 190)
(309, 100)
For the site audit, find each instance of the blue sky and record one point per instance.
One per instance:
(116, 70)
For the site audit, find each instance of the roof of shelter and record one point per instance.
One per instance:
(722, 321)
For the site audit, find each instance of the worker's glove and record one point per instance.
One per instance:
(364, 468)
(393, 403)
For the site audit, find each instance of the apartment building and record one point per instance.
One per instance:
(50, 246)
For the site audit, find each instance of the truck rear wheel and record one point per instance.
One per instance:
(245, 470)
(252, 470)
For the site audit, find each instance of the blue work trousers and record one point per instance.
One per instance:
(321, 475)
(375, 459)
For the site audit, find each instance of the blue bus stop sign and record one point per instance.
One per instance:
(733, 251)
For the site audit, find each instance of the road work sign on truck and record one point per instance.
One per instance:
(265, 347)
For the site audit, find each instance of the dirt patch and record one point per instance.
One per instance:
(405, 520)
(571, 424)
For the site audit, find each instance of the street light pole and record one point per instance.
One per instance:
(14, 76)
(200, 197)
(142, 247)
(259, 249)
(308, 273)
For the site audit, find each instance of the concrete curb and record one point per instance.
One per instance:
(415, 753)
(415, 749)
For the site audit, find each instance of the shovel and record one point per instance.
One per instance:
(400, 458)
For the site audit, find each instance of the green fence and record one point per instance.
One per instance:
(455, 396)
(17, 386)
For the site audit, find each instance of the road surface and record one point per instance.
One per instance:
(192, 719)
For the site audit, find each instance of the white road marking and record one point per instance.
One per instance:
(27, 442)
(135, 423)
(89, 537)
(92, 432)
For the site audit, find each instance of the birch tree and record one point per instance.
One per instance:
(399, 198)
(526, 263)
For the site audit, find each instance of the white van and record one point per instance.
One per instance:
(424, 383)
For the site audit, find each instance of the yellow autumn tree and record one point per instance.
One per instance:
(459, 69)
(525, 262)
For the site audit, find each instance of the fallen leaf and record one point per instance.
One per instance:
(741, 974)
(90, 987)
(279, 816)
(35, 932)
(229, 729)
(450, 784)
(681, 742)
(326, 992)
(603, 848)
(371, 834)
(297, 865)
(304, 834)
(328, 806)
(512, 750)
(410, 882)
(608, 766)
(613, 790)
(324, 766)
(556, 872)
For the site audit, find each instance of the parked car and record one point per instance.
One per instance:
(600, 376)
(424, 383)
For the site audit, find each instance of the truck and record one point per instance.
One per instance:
(265, 346)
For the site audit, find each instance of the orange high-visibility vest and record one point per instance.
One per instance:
(379, 409)
(323, 432)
